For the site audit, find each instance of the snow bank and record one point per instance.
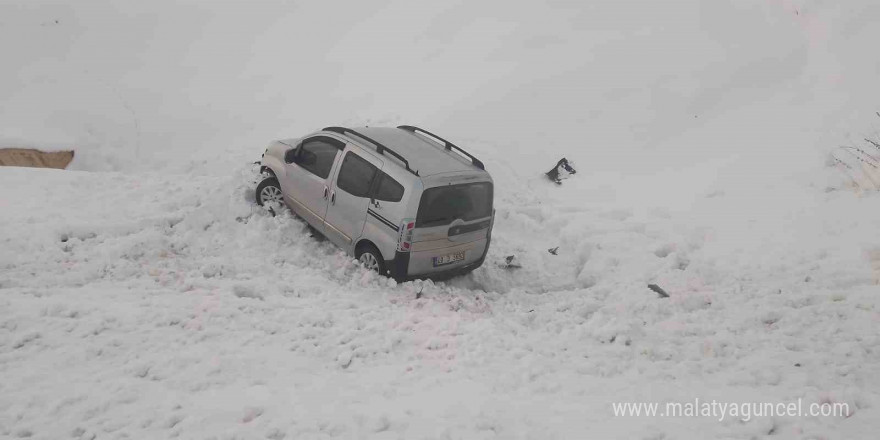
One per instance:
(160, 305)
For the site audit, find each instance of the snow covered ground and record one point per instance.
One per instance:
(162, 305)
(143, 295)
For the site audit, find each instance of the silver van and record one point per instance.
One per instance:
(403, 201)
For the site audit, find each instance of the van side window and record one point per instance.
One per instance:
(388, 190)
(356, 175)
(317, 155)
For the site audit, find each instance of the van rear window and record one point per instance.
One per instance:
(443, 204)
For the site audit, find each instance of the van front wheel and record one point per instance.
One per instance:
(371, 258)
(269, 192)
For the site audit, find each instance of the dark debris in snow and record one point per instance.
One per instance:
(659, 290)
(562, 170)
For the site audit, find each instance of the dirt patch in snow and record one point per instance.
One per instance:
(25, 157)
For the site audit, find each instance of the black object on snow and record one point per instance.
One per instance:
(561, 167)
(553, 250)
(511, 263)
(659, 290)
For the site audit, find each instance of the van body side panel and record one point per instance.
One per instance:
(383, 221)
(380, 234)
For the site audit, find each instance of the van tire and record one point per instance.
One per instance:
(267, 185)
(370, 257)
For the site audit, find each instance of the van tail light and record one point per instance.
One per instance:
(405, 236)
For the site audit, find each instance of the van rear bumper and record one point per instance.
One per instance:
(400, 267)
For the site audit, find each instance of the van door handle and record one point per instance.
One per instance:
(375, 203)
(332, 197)
(325, 191)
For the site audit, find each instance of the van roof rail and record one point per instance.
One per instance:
(381, 149)
(449, 145)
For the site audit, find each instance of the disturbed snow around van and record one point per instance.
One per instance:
(164, 305)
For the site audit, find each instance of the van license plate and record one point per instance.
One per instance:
(448, 259)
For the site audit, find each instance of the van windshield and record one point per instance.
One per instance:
(443, 204)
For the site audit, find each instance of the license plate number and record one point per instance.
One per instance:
(448, 259)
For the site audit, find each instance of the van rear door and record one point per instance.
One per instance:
(452, 226)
